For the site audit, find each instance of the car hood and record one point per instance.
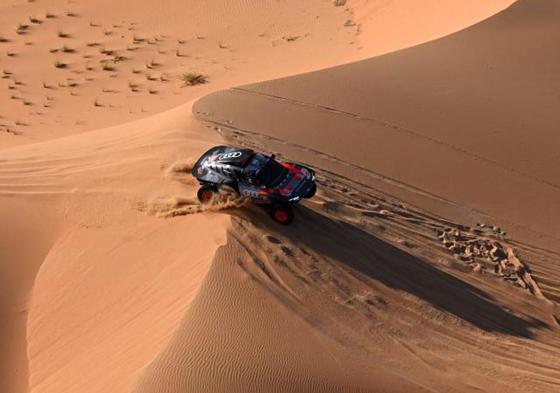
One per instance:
(296, 184)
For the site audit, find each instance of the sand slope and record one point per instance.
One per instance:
(110, 279)
(28, 233)
(386, 26)
(103, 252)
(67, 68)
(72, 67)
(448, 125)
(384, 296)
(238, 337)
(434, 151)
(470, 118)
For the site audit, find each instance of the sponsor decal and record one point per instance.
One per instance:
(251, 193)
(233, 154)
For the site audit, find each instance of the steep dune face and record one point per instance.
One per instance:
(417, 152)
(110, 279)
(468, 105)
(118, 293)
(239, 337)
(95, 281)
(26, 236)
(386, 290)
(371, 290)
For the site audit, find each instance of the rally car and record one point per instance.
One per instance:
(276, 185)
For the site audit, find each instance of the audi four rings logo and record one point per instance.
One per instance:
(225, 156)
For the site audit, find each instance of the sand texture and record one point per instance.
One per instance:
(428, 261)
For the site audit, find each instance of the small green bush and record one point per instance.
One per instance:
(194, 78)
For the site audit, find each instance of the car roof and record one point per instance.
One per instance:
(229, 155)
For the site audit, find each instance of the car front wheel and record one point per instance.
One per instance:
(282, 213)
(205, 194)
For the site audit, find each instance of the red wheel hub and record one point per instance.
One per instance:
(207, 196)
(281, 215)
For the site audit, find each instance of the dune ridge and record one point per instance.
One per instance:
(107, 264)
(400, 295)
(422, 249)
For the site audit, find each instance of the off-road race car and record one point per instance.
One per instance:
(267, 182)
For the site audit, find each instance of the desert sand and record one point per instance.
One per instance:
(428, 261)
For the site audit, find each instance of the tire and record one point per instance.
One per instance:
(205, 194)
(282, 213)
(311, 192)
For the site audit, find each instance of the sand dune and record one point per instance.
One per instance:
(238, 337)
(386, 26)
(384, 293)
(455, 128)
(67, 68)
(393, 322)
(109, 281)
(30, 232)
(434, 114)
(73, 67)
(114, 279)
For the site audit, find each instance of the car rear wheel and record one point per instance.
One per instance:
(205, 194)
(282, 213)
(311, 192)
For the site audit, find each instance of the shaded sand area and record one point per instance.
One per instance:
(385, 307)
(447, 151)
(467, 121)
(113, 278)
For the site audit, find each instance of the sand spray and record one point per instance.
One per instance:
(172, 205)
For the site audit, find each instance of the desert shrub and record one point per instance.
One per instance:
(194, 78)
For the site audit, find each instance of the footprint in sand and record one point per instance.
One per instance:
(488, 251)
(272, 239)
(287, 251)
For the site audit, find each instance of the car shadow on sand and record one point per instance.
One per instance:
(394, 268)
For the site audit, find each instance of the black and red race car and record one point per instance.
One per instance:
(276, 185)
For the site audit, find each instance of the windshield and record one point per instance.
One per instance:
(271, 174)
